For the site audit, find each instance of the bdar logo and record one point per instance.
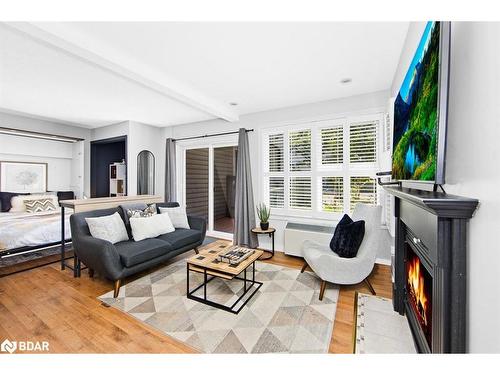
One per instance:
(8, 346)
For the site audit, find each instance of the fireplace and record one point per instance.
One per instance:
(419, 292)
(430, 267)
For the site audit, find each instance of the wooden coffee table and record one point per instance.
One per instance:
(206, 263)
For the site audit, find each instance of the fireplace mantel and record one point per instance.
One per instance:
(438, 203)
(434, 226)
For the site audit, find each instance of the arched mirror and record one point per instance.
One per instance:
(145, 173)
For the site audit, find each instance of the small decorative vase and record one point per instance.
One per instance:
(264, 226)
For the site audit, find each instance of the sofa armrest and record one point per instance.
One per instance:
(99, 255)
(198, 223)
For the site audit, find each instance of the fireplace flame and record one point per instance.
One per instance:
(416, 283)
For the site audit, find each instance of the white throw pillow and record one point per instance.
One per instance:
(177, 215)
(109, 228)
(18, 205)
(150, 227)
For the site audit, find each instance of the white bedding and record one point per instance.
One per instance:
(19, 229)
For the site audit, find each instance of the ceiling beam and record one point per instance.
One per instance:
(58, 36)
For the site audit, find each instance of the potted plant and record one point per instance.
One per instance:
(263, 213)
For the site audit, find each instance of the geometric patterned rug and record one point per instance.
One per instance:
(284, 316)
(379, 329)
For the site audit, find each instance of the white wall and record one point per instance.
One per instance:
(472, 159)
(356, 105)
(146, 137)
(139, 137)
(59, 155)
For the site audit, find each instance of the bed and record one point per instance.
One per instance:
(22, 231)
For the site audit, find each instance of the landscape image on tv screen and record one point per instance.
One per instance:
(416, 113)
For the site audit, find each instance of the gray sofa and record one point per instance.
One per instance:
(129, 257)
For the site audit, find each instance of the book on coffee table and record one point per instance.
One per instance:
(235, 254)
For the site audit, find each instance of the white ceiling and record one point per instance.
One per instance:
(172, 73)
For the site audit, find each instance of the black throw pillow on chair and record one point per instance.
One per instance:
(347, 237)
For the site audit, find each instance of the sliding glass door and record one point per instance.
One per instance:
(196, 195)
(209, 185)
(224, 167)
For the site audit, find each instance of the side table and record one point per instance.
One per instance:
(269, 232)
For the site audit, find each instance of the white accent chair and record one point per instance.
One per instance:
(329, 267)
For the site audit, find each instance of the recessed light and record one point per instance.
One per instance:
(233, 104)
(345, 80)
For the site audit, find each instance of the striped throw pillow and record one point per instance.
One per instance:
(39, 205)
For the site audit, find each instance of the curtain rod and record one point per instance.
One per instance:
(38, 135)
(210, 135)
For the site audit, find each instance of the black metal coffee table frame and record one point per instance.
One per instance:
(205, 271)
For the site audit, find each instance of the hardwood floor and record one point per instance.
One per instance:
(48, 304)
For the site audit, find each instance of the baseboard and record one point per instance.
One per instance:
(385, 262)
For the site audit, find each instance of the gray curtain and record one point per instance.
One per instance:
(244, 217)
(170, 175)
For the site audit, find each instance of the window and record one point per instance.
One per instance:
(276, 157)
(363, 190)
(276, 192)
(332, 194)
(332, 145)
(322, 168)
(300, 150)
(363, 143)
(300, 193)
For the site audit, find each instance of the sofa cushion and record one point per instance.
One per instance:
(109, 228)
(132, 253)
(181, 237)
(123, 213)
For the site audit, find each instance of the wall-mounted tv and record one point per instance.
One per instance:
(420, 110)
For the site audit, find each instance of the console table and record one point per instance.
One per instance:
(91, 204)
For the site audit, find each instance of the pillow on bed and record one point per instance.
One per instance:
(5, 198)
(39, 205)
(18, 203)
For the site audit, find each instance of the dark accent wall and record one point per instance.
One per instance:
(102, 154)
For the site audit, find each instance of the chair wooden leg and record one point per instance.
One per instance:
(118, 283)
(372, 291)
(91, 273)
(304, 267)
(196, 250)
(322, 290)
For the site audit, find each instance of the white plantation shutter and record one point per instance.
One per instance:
(363, 190)
(363, 142)
(300, 193)
(332, 194)
(332, 145)
(276, 153)
(276, 192)
(325, 166)
(300, 150)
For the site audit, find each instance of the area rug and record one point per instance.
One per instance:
(284, 316)
(379, 329)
